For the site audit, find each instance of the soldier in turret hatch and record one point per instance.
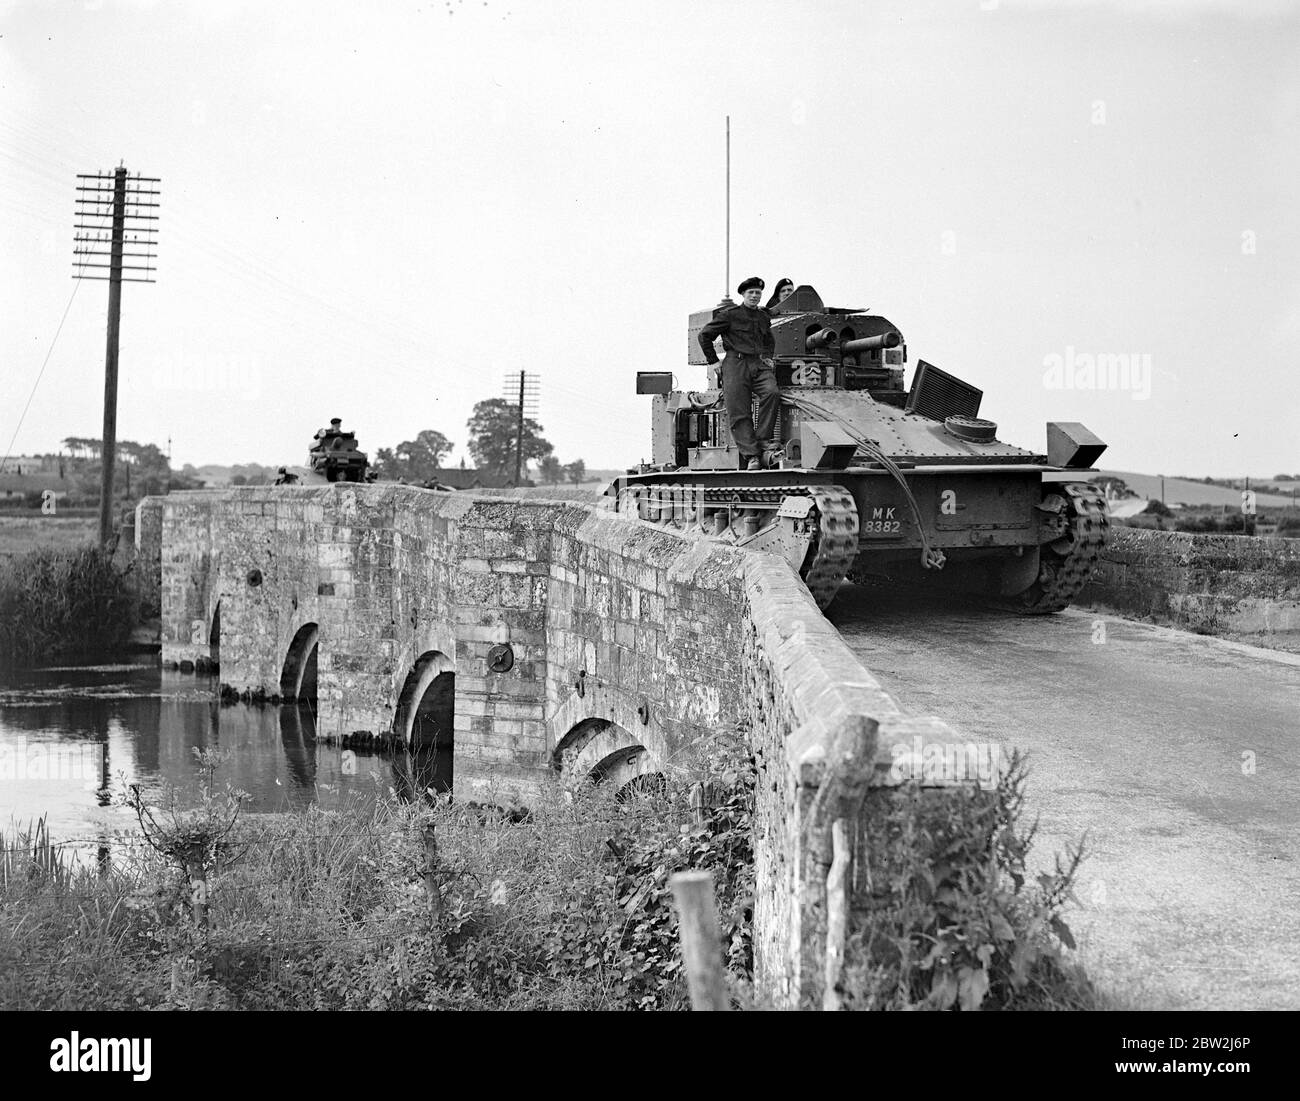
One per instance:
(784, 289)
(747, 371)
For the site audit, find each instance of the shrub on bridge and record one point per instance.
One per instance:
(954, 920)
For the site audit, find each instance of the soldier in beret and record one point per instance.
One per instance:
(747, 371)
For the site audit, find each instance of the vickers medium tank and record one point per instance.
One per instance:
(332, 457)
(872, 478)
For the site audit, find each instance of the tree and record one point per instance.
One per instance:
(552, 473)
(493, 432)
(576, 471)
(386, 464)
(415, 460)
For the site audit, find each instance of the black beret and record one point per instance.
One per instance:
(750, 283)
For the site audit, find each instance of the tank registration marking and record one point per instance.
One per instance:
(880, 522)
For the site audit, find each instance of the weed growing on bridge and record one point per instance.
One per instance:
(952, 920)
(57, 603)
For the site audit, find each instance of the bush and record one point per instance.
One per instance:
(57, 603)
(952, 923)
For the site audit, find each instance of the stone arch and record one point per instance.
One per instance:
(214, 634)
(604, 752)
(298, 677)
(429, 667)
(612, 705)
(425, 717)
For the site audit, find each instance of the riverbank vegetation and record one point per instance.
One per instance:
(448, 905)
(58, 603)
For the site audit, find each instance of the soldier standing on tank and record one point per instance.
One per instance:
(748, 370)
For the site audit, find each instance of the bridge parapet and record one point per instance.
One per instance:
(1239, 586)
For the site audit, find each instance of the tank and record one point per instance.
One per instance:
(870, 478)
(332, 457)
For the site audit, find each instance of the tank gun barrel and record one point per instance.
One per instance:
(870, 343)
(823, 338)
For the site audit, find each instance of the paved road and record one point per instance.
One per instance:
(1146, 740)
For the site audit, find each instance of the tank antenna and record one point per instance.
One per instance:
(727, 290)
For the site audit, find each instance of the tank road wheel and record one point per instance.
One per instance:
(1065, 563)
(814, 528)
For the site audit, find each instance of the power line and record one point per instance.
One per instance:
(40, 375)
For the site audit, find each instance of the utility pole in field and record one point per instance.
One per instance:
(109, 212)
(523, 390)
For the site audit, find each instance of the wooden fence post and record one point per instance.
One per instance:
(431, 874)
(198, 893)
(837, 912)
(697, 922)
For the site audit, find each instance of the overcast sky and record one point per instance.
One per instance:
(376, 211)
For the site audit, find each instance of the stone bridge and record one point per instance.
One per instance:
(531, 641)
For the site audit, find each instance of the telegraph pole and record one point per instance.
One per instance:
(519, 435)
(522, 389)
(126, 228)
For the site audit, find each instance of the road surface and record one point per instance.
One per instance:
(1179, 754)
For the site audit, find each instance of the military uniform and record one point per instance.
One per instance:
(746, 333)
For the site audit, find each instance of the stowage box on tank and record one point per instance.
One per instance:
(898, 482)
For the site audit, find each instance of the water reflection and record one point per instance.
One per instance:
(141, 724)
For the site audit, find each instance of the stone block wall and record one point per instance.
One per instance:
(1243, 587)
(148, 554)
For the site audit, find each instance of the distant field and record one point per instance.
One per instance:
(20, 534)
(1181, 492)
(12, 481)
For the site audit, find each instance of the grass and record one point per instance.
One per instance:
(444, 905)
(27, 531)
(29, 856)
(333, 910)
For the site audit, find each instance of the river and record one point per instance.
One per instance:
(71, 738)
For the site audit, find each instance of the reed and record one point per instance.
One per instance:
(61, 603)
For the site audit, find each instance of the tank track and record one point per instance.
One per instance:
(1067, 562)
(833, 549)
(836, 545)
